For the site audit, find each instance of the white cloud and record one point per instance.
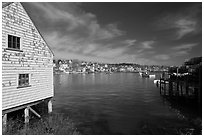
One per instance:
(183, 49)
(162, 57)
(180, 53)
(144, 61)
(185, 46)
(185, 26)
(78, 22)
(148, 44)
(90, 48)
(79, 33)
(130, 42)
(185, 22)
(110, 53)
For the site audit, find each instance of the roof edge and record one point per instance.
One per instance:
(5, 4)
(38, 30)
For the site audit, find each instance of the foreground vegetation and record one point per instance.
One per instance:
(55, 124)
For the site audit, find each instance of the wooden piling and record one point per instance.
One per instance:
(4, 123)
(187, 93)
(26, 116)
(200, 88)
(181, 86)
(177, 86)
(170, 87)
(160, 86)
(50, 106)
(164, 87)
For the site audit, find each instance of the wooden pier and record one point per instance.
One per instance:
(186, 88)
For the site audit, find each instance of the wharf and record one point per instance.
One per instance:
(185, 89)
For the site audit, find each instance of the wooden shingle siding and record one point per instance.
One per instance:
(35, 59)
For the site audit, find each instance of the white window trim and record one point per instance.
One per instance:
(21, 41)
(17, 77)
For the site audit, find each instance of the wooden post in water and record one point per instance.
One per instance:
(181, 86)
(186, 81)
(187, 88)
(177, 87)
(170, 87)
(160, 86)
(164, 87)
(4, 123)
(200, 87)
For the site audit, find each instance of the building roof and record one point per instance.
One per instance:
(5, 4)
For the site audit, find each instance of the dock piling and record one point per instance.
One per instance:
(164, 87)
(4, 123)
(50, 106)
(26, 117)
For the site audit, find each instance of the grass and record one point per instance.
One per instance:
(59, 124)
(54, 124)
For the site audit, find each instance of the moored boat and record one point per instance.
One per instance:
(152, 75)
(145, 75)
(156, 81)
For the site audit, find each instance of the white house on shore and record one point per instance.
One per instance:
(27, 63)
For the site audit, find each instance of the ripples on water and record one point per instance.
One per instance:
(118, 103)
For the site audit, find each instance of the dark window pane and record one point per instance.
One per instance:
(18, 46)
(9, 37)
(14, 39)
(18, 40)
(13, 42)
(9, 44)
(23, 80)
(14, 45)
(27, 81)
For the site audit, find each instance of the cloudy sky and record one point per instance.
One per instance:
(144, 33)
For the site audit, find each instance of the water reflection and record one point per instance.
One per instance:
(120, 103)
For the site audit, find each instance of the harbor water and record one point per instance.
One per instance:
(118, 103)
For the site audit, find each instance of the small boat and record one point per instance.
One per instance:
(152, 75)
(145, 75)
(67, 72)
(156, 81)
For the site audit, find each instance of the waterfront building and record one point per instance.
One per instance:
(27, 63)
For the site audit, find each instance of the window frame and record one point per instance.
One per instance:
(20, 41)
(23, 80)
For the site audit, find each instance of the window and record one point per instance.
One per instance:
(23, 80)
(13, 42)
